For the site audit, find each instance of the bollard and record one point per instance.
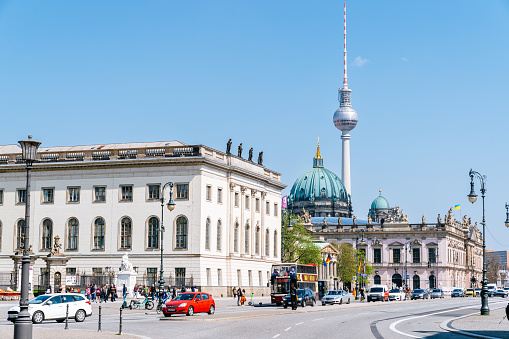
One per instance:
(67, 317)
(99, 329)
(120, 329)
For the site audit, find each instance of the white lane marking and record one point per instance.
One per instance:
(299, 323)
(287, 329)
(392, 327)
(277, 335)
(445, 325)
(318, 319)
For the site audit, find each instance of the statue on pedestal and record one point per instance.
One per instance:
(125, 265)
(423, 219)
(55, 251)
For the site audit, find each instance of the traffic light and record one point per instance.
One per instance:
(473, 280)
(429, 264)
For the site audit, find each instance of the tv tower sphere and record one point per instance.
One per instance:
(345, 118)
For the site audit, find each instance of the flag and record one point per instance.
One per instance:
(457, 207)
(284, 203)
(324, 262)
(328, 259)
(359, 268)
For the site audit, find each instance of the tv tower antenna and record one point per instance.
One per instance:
(345, 76)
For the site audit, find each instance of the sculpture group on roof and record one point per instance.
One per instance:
(239, 152)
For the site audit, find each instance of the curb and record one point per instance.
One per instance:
(445, 326)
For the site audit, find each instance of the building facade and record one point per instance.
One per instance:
(103, 201)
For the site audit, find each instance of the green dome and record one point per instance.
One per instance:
(318, 184)
(380, 203)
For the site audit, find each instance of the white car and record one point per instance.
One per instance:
(397, 294)
(336, 297)
(54, 307)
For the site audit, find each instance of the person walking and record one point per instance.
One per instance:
(152, 291)
(362, 294)
(145, 291)
(92, 292)
(234, 292)
(113, 292)
(293, 296)
(193, 288)
(87, 292)
(239, 296)
(183, 290)
(135, 291)
(173, 292)
(124, 292)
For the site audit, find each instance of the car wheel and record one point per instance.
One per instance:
(323, 304)
(37, 317)
(60, 320)
(80, 316)
(190, 311)
(285, 306)
(212, 309)
(167, 315)
(303, 303)
(314, 303)
(341, 301)
(348, 301)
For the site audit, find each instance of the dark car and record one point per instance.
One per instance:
(304, 297)
(457, 292)
(500, 293)
(419, 294)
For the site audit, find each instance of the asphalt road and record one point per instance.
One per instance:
(397, 319)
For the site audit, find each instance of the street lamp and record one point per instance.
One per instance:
(506, 215)
(23, 325)
(171, 206)
(472, 197)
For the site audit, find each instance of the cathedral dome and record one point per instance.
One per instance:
(318, 184)
(380, 203)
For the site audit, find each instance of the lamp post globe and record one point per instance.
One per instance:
(23, 324)
(506, 215)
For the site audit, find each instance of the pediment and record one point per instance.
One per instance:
(330, 249)
(396, 244)
(432, 244)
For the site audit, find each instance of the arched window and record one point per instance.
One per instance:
(432, 282)
(219, 235)
(267, 248)
(397, 281)
(246, 240)
(99, 234)
(275, 244)
(20, 237)
(377, 280)
(207, 234)
(181, 232)
(417, 282)
(153, 233)
(47, 234)
(236, 238)
(257, 241)
(72, 234)
(126, 232)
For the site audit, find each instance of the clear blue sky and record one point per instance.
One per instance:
(430, 85)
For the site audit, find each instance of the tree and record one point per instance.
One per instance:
(297, 243)
(492, 268)
(348, 264)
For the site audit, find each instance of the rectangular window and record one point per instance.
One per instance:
(1, 197)
(99, 193)
(219, 195)
(275, 210)
(22, 196)
(126, 193)
(180, 276)
(432, 254)
(239, 278)
(416, 255)
(182, 191)
(260, 278)
(151, 276)
(70, 271)
(396, 256)
(73, 194)
(236, 200)
(250, 276)
(377, 255)
(97, 270)
(257, 205)
(247, 202)
(209, 278)
(219, 277)
(267, 207)
(208, 193)
(44, 276)
(48, 195)
(153, 192)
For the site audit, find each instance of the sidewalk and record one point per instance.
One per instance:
(52, 333)
(479, 326)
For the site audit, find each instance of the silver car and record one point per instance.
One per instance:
(336, 297)
(437, 293)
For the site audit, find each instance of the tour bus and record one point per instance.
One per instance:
(304, 276)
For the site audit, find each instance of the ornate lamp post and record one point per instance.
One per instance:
(23, 325)
(506, 215)
(171, 206)
(472, 197)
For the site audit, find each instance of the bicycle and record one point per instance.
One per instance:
(149, 304)
(160, 305)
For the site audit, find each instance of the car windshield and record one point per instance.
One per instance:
(300, 292)
(334, 293)
(470, 289)
(418, 291)
(458, 290)
(376, 289)
(39, 300)
(394, 291)
(184, 296)
(437, 290)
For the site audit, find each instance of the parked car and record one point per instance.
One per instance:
(491, 289)
(378, 292)
(419, 294)
(397, 294)
(189, 303)
(436, 293)
(457, 292)
(500, 293)
(54, 307)
(478, 292)
(304, 297)
(469, 292)
(336, 297)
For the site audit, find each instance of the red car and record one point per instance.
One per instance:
(189, 303)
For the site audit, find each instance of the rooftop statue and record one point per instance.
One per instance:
(229, 146)
(239, 151)
(250, 158)
(439, 219)
(305, 216)
(260, 158)
(423, 219)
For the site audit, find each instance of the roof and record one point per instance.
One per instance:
(380, 203)
(334, 221)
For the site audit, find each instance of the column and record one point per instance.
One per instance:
(345, 167)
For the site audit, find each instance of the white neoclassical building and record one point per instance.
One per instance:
(104, 200)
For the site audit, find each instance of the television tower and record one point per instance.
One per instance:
(345, 119)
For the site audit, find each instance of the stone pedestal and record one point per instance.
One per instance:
(56, 265)
(129, 279)
(17, 272)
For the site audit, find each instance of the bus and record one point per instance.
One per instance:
(303, 276)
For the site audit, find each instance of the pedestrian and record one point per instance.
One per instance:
(234, 292)
(152, 291)
(48, 290)
(192, 288)
(124, 292)
(183, 290)
(113, 292)
(293, 296)
(173, 292)
(135, 291)
(362, 294)
(239, 296)
(92, 292)
(87, 292)
(145, 291)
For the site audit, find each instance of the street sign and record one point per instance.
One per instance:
(407, 276)
(354, 278)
